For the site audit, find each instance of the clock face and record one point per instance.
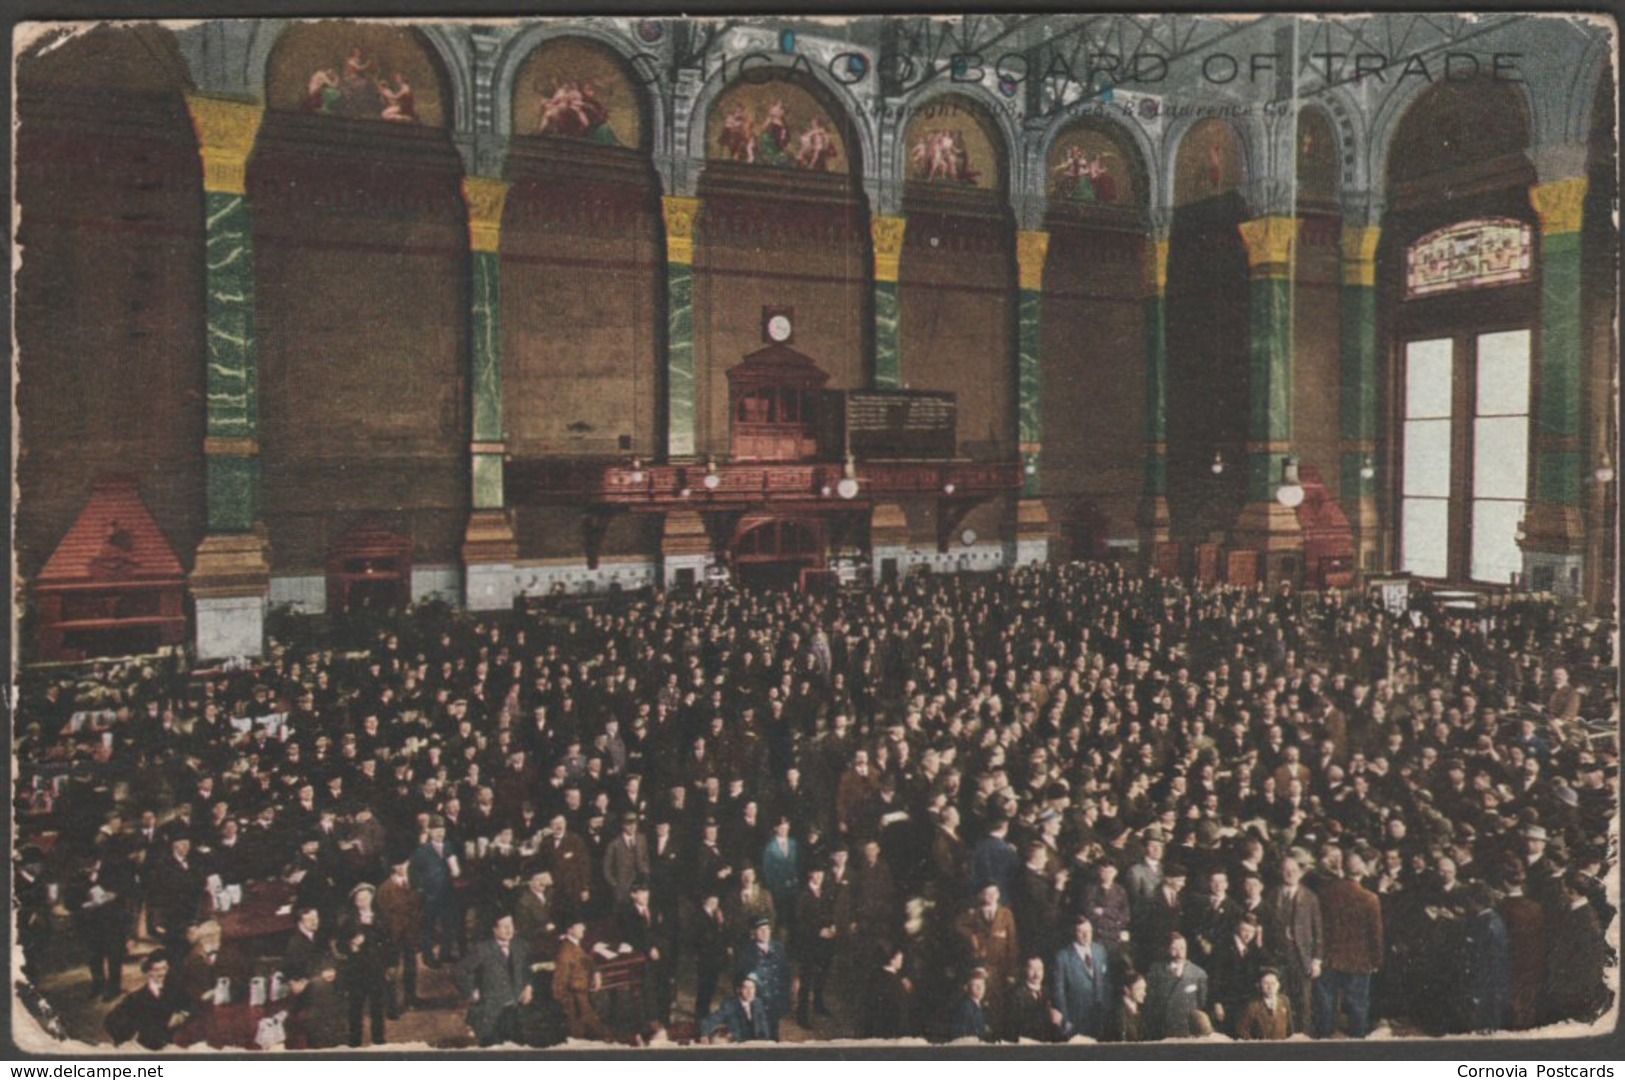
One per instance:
(778, 328)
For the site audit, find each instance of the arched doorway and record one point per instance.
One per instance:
(772, 552)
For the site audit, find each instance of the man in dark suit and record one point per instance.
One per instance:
(433, 871)
(813, 944)
(1080, 984)
(150, 1014)
(495, 979)
(1176, 996)
(174, 895)
(713, 941)
(1301, 946)
(885, 1003)
(642, 926)
(742, 1017)
(103, 910)
(764, 957)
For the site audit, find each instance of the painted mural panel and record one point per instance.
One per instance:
(360, 70)
(775, 122)
(1209, 162)
(1088, 167)
(952, 141)
(1319, 158)
(571, 88)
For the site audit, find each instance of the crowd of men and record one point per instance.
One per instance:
(1038, 804)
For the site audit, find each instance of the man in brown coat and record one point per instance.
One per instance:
(400, 909)
(574, 980)
(1268, 1016)
(989, 933)
(1353, 922)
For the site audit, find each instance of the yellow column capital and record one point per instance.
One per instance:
(226, 131)
(1032, 247)
(485, 199)
(887, 235)
(680, 211)
(1560, 204)
(1360, 254)
(1156, 267)
(1269, 242)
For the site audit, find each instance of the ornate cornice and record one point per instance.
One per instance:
(485, 199)
(226, 131)
(887, 235)
(1560, 204)
(1269, 241)
(1032, 248)
(680, 212)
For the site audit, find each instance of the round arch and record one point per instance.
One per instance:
(843, 107)
(1146, 166)
(1012, 171)
(1391, 112)
(1246, 153)
(646, 81)
(439, 48)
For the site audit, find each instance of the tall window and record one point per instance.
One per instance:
(1465, 455)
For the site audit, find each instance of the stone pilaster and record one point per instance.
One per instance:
(1360, 389)
(886, 235)
(681, 213)
(231, 573)
(1154, 519)
(1554, 531)
(1264, 524)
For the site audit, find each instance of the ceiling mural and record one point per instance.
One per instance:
(1088, 167)
(1209, 163)
(952, 141)
(576, 89)
(363, 71)
(775, 122)
(1317, 156)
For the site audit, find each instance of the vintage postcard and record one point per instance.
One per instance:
(1066, 529)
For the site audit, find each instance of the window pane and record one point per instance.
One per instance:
(1424, 537)
(1503, 373)
(1495, 541)
(1501, 457)
(1427, 457)
(1427, 378)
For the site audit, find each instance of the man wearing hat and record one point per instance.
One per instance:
(1268, 1016)
(574, 980)
(400, 911)
(626, 859)
(151, 1013)
(1176, 995)
(174, 894)
(364, 948)
(643, 927)
(764, 957)
(742, 1018)
(1300, 943)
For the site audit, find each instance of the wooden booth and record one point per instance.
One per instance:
(369, 569)
(113, 586)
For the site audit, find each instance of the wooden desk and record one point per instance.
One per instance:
(256, 919)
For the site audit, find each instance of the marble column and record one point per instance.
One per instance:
(231, 573)
(681, 213)
(886, 234)
(490, 544)
(1360, 390)
(1265, 525)
(1155, 526)
(1032, 517)
(1554, 530)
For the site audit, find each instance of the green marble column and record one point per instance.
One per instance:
(886, 233)
(231, 419)
(1154, 521)
(226, 132)
(486, 362)
(231, 574)
(1265, 525)
(681, 406)
(1554, 529)
(1031, 250)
